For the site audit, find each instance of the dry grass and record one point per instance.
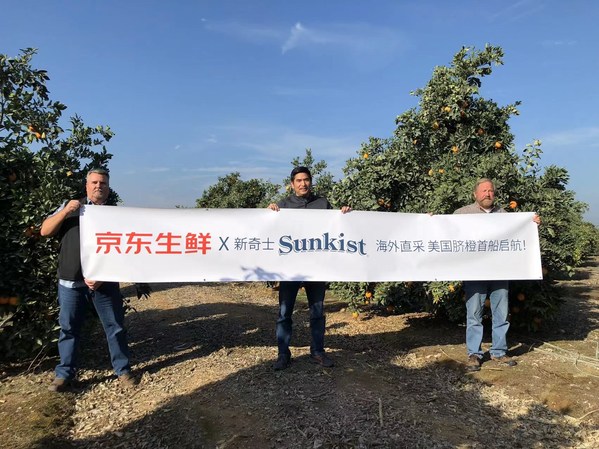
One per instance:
(204, 355)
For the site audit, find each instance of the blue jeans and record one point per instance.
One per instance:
(476, 293)
(73, 306)
(287, 295)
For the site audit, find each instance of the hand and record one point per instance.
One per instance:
(345, 209)
(143, 289)
(72, 206)
(273, 206)
(536, 219)
(52, 224)
(93, 285)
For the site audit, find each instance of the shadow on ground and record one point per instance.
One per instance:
(367, 400)
(389, 389)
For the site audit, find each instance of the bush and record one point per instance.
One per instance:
(40, 165)
(430, 165)
(232, 192)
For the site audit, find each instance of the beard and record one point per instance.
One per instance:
(487, 203)
(99, 196)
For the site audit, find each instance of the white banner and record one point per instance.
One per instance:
(216, 245)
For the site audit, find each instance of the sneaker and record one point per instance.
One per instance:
(127, 380)
(59, 385)
(504, 360)
(322, 359)
(283, 362)
(473, 363)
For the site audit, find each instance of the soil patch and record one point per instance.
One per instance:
(204, 354)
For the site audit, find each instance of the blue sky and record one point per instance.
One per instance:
(199, 89)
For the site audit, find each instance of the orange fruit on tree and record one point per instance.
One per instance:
(355, 315)
(513, 204)
(516, 309)
(441, 171)
(488, 303)
(498, 145)
(380, 202)
(446, 109)
(365, 155)
(431, 172)
(455, 149)
(368, 294)
(520, 296)
(435, 125)
(451, 288)
(480, 131)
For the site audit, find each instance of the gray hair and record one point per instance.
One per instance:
(482, 181)
(98, 171)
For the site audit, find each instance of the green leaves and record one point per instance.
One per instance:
(434, 157)
(232, 192)
(40, 166)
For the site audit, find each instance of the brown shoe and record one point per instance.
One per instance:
(59, 385)
(504, 360)
(473, 363)
(322, 359)
(127, 380)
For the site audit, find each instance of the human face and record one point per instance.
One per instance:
(485, 195)
(301, 184)
(97, 188)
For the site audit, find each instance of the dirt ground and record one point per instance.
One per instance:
(204, 352)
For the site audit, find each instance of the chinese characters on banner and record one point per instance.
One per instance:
(216, 245)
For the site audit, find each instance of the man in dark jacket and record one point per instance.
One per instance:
(302, 198)
(74, 290)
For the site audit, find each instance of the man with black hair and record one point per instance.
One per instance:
(74, 290)
(302, 198)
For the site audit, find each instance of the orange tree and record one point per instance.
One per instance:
(40, 165)
(232, 192)
(322, 180)
(430, 164)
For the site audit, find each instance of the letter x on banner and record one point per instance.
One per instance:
(220, 245)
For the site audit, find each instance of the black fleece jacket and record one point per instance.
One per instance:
(299, 202)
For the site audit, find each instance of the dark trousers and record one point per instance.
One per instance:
(287, 296)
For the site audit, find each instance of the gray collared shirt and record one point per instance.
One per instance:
(475, 208)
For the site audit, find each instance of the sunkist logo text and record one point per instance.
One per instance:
(325, 243)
